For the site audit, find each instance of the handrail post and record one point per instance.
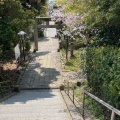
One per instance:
(65, 86)
(83, 104)
(73, 93)
(113, 115)
(68, 88)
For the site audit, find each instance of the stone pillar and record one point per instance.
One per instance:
(35, 36)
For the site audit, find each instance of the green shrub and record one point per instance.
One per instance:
(94, 107)
(41, 34)
(102, 68)
(55, 7)
(27, 45)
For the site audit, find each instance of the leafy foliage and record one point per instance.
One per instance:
(14, 19)
(36, 5)
(17, 15)
(102, 69)
(101, 18)
(27, 45)
(98, 25)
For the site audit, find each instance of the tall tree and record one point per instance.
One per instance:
(38, 5)
(101, 18)
(14, 18)
(17, 15)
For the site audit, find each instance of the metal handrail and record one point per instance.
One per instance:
(114, 110)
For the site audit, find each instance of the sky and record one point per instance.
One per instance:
(50, 0)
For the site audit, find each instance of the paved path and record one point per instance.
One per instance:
(44, 69)
(35, 105)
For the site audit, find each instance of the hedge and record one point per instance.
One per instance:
(102, 68)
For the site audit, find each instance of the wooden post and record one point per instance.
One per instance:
(68, 88)
(20, 46)
(73, 94)
(35, 36)
(23, 49)
(83, 104)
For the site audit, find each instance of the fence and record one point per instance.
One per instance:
(72, 86)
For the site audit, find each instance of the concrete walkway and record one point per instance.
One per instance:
(35, 105)
(44, 70)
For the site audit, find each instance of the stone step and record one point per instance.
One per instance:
(40, 88)
(35, 105)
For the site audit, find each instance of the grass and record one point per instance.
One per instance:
(94, 107)
(72, 64)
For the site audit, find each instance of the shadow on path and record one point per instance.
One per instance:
(40, 73)
(25, 96)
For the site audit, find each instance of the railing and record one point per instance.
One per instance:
(69, 85)
(5, 87)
